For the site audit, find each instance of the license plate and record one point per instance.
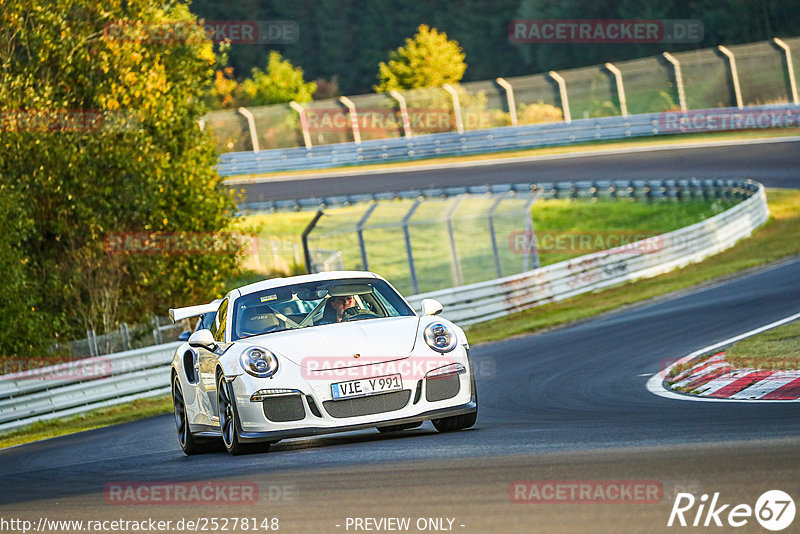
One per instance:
(366, 386)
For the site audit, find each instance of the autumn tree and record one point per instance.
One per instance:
(99, 102)
(428, 59)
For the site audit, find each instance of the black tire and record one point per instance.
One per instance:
(397, 428)
(190, 445)
(229, 422)
(457, 422)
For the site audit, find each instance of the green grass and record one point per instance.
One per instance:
(778, 348)
(779, 238)
(121, 413)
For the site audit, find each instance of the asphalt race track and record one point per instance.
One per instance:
(775, 164)
(565, 405)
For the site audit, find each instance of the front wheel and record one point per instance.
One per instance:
(456, 422)
(228, 422)
(189, 444)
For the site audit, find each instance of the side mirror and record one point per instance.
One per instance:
(431, 307)
(202, 339)
(184, 336)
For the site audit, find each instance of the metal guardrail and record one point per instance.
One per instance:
(116, 378)
(490, 140)
(82, 385)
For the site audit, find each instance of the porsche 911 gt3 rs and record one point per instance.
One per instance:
(316, 354)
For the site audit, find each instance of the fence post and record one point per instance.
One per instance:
(304, 240)
(351, 107)
(678, 79)
(533, 255)
(458, 277)
(126, 336)
(91, 339)
(407, 237)
(495, 252)
(789, 68)
(734, 75)
(512, 106)
(303, 123)
(403, 112)
(156, 331)
(360, 230)
(623, 103)
(562, 90)
(251, 123)
(456, 107)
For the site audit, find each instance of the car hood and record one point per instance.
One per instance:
(335, 346)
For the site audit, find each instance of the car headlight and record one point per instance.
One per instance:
(440, 337)
(259, 362)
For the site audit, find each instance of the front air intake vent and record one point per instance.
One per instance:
(384, 402)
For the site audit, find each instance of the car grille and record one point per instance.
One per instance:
(284, 408)
(442, 387)
(384, 402)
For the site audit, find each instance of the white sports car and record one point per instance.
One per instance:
(316, 354)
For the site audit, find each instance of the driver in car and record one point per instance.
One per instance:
(341, 304)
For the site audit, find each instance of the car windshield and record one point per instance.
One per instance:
(315, 303)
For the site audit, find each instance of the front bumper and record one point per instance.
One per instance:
(311, 410)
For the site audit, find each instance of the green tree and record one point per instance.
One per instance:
(141, 164)
(282, 82)
(428, 59)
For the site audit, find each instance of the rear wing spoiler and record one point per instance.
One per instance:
(178, 314)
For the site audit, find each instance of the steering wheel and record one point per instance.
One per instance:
(358, 315)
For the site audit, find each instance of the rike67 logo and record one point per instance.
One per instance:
(774, 510)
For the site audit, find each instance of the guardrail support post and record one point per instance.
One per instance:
(512, 107)
(304, 241)
(623, 103)
(789, 68)
(495, 251)
(201, 123)
(458, 277)
(303, 123)
(734, 75)
(456, 107)
(678, 79)
(403, 112)
(351, 107)
(562, 90)
(360, 230)
(412, 270)
(251, 123)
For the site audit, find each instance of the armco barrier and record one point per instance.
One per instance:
(89, 384)
(144, 372)
(503, 139)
